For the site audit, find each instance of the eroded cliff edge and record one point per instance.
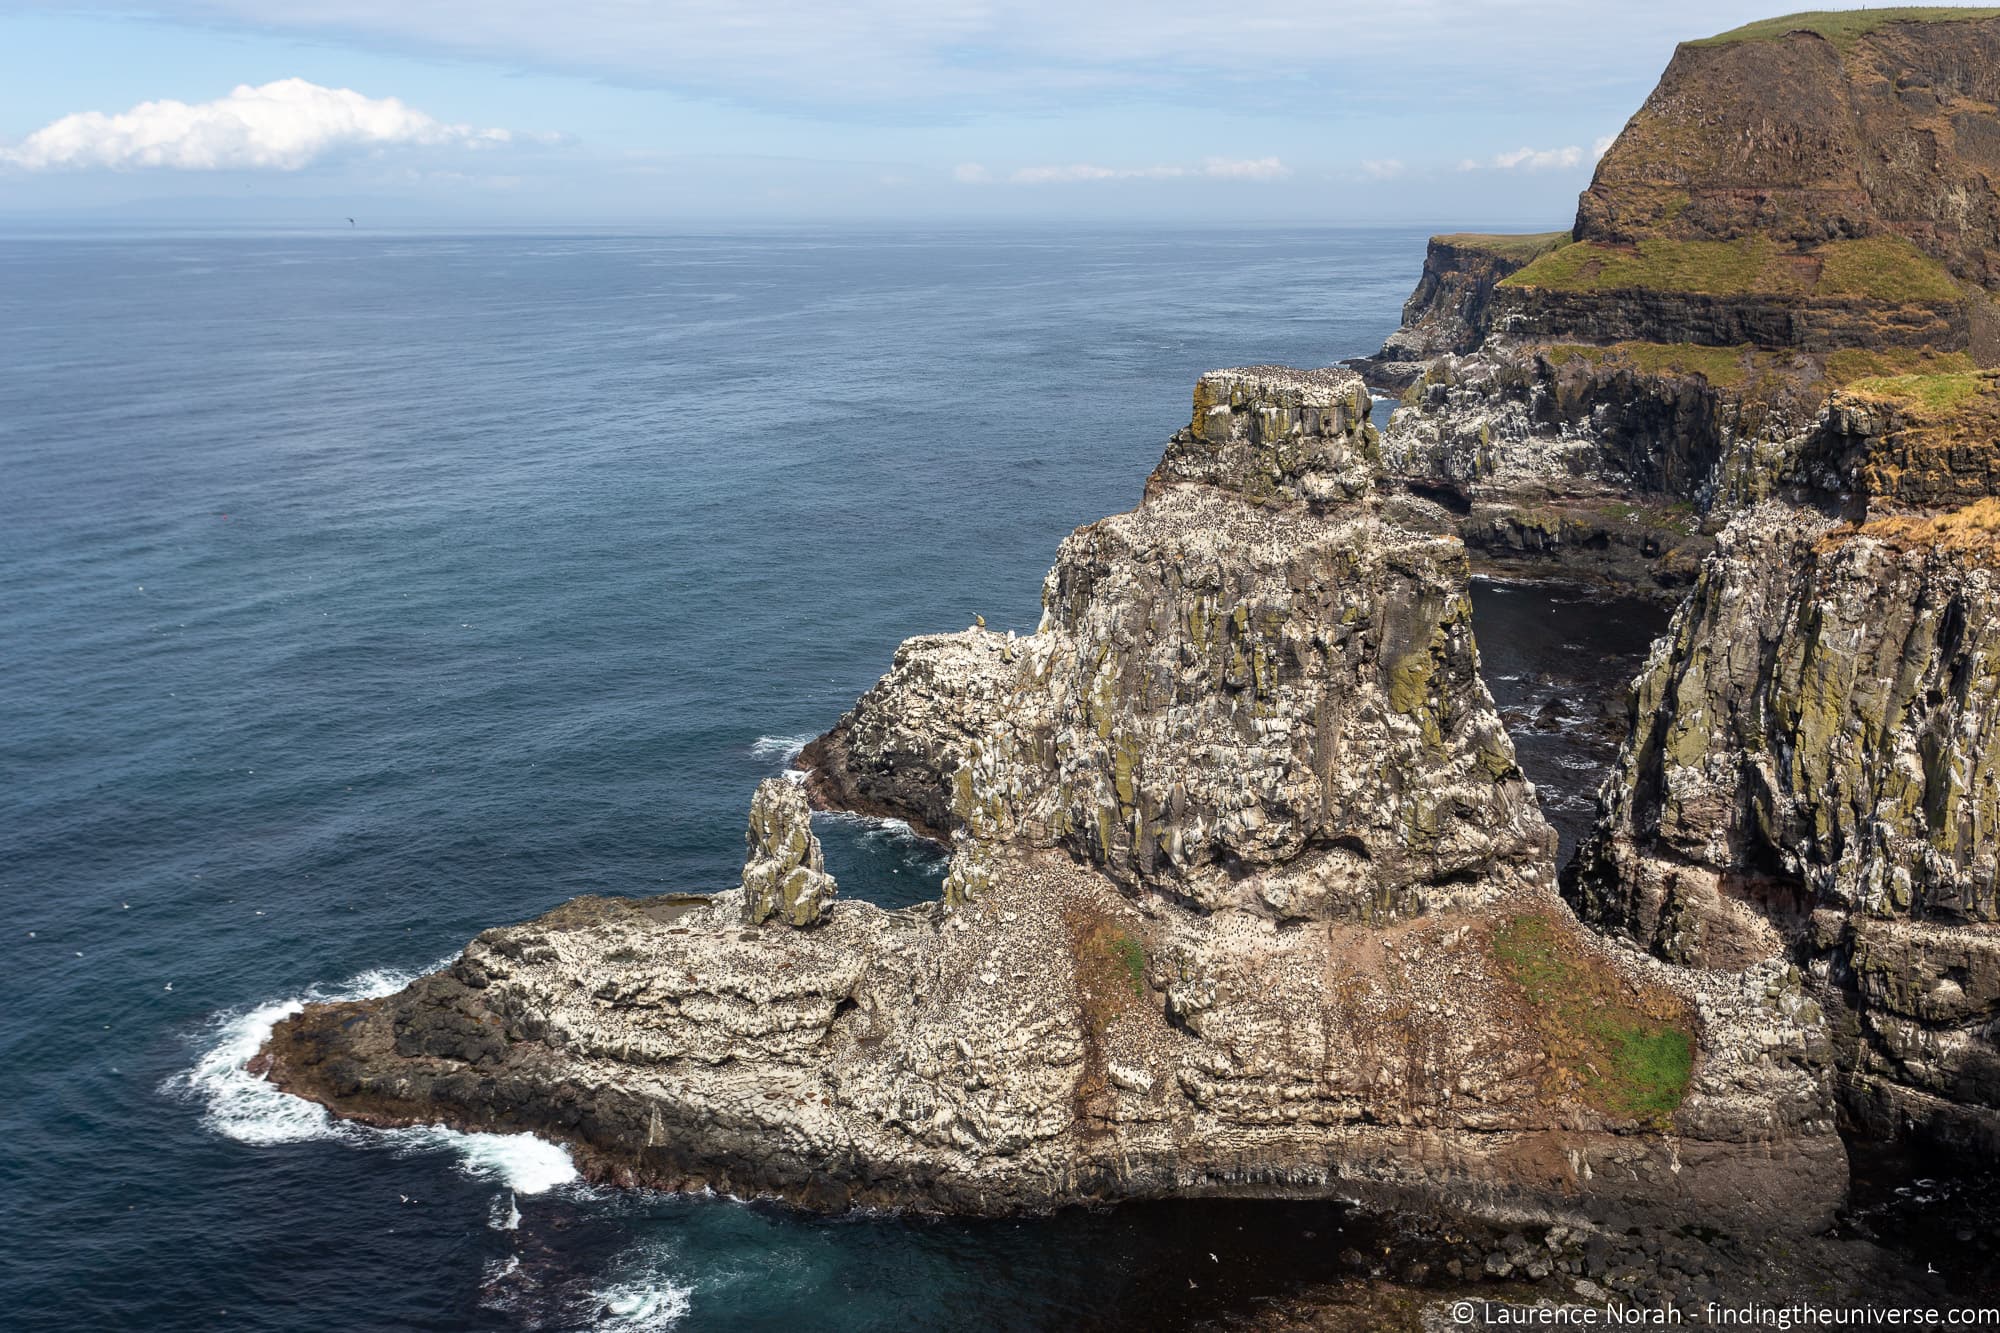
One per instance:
(1247, 896)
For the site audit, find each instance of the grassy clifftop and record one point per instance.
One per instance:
(1520, 249)
(1881, 268)
(1843, 26)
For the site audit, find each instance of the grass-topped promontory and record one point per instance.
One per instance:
(1843, 26)
(1878, 268)
(1929, 396)
(1619, 1050)
(1724, 367)
(1519, 249)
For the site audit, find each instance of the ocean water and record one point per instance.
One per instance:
(361, 591)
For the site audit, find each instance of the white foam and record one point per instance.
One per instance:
(785, 748)
(523, 1163)
(508, 1218)
(248, 1108)
(643, 1306)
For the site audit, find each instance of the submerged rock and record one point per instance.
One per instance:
(1247, 896)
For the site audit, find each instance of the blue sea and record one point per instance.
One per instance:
(360, 591)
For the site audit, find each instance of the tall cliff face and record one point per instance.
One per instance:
(1813, 774)
(1247, 896)
(1831, 128)
(1800, 205)
(1451, 309)
(1818, 182)
(1770, 324)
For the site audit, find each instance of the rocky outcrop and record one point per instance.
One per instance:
(784, 874)
(1250, 691)
(1448, 313)
(1710, 319)
(1812, 775)
(1924, 442)
(1247, 896)
(1569, 456)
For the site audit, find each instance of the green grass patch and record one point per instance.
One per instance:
(1620, 1052)
(1856, 363)
(1720, 366)
(1880, 268)
(1110, 969)
(1843, 26)
(1521, 249)
(1130, 955)
(1724, 367)
(1719, 268)
(1933, 395)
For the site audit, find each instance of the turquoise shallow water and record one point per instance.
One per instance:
(358, 592)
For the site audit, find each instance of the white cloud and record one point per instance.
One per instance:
(1382, 169)
(1085, 171)
(1245, 169)
(281, 126)
(1211, 168)
(1602, 145)
(1539, 159)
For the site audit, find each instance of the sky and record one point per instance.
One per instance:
(413, 112)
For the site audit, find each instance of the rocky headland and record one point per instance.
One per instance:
(1248, 895)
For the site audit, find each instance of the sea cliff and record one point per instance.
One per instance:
(1247, 896)
(1753, 376)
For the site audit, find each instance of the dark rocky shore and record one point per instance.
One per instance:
(1248, 895)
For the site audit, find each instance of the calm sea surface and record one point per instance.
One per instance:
(358, 592)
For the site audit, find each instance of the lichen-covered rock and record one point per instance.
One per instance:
(1249, 691)
(1875, 447)
(784, 874)
(1814, 769)
(1277, 435)
(1247, 896)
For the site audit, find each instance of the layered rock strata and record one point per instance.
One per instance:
(1450, 312)
(1247, 896)
(1769, 321)
(1800, 205)
(1813, 776)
